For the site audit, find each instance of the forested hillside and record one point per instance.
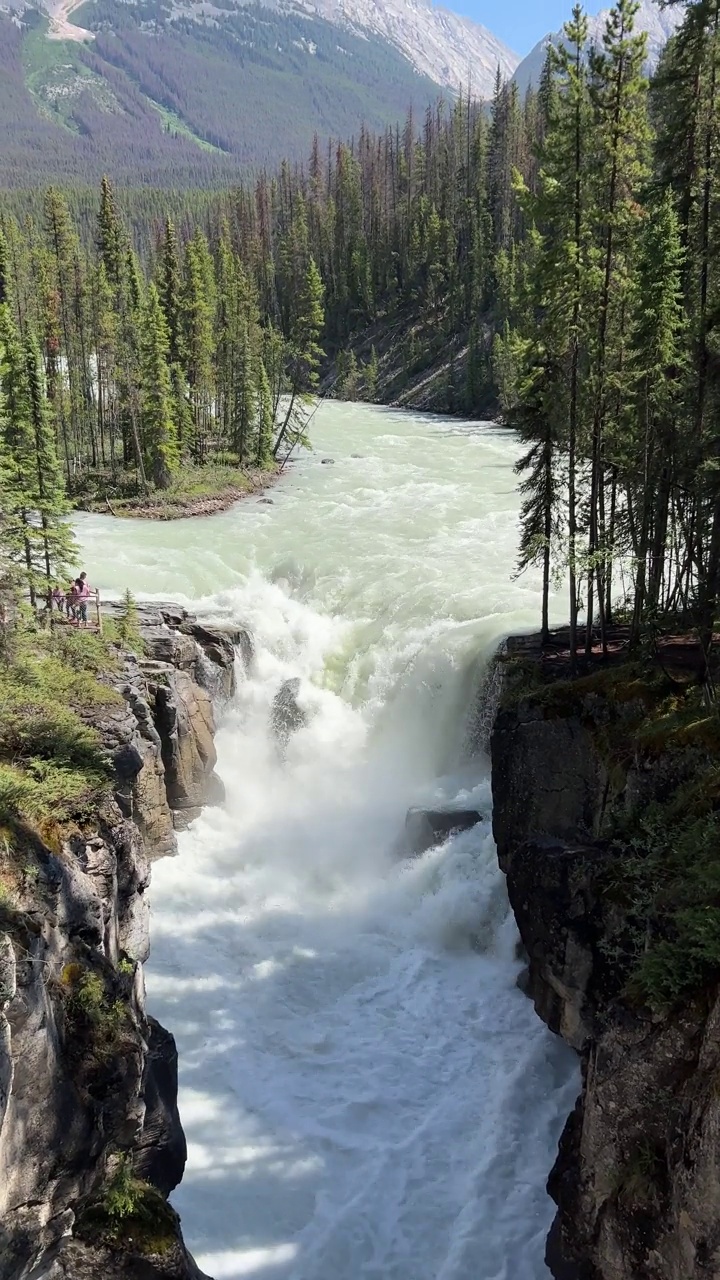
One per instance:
(559, 258)
(173, 102)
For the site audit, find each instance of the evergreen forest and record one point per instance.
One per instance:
(553, 259)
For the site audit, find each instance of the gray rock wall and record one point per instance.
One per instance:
(637, 1178)
(87, 1079)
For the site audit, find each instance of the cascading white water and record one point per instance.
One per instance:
(364, 1091)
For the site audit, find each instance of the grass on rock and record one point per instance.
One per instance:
(51, 760)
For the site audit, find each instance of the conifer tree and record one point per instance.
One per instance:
(17, 453)
(169, 291)
(556, 365)
(157, 420)
(110, 235)
(620, 125)
(305, 354)
(46, 490)
(370, 377)
(4, 280)
(198, 341)
(265, 419)
(658, 369)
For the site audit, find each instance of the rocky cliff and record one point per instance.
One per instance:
(605, 816)
(90, 1138)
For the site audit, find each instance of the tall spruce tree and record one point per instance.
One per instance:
(158, 425)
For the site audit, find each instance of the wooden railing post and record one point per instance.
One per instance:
(99, 611)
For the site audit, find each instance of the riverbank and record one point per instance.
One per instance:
(195, 491)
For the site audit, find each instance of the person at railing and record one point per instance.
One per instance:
(84, 591)
(72, 601)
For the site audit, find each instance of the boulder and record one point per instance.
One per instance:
(286, 716)
(424, 828)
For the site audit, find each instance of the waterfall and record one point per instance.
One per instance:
(366, 1094)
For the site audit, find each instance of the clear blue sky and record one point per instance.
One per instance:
(519, 23)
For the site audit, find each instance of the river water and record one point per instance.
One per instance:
(365, 1093)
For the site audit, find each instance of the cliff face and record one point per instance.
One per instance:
(575, 771)
(90, 1138)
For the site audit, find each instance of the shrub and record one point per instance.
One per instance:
(670, 880)
(130, 1211)
(89, 1003)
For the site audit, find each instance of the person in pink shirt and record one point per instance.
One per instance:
(83, 590)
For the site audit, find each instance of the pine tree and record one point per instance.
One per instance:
(169, 291)
(265, 418)
(47, 489)
(198, 344)
(535, 419)
(555, 361)
(4, 271)
(619, 94)
(349, 385)
(658, 369)
(370, 377)
(157, 421)
(305, 354)
(110, 235)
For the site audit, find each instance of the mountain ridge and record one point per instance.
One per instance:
(451, 49)
(192, 92)
(658, 24)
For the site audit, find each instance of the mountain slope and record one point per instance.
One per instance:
(451, 50)
(659, 24)
(158, 98)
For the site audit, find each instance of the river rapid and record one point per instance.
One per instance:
(365, 1093)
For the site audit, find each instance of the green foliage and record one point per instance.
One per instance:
(672, 876)
(51, 761)
(91, 1008)
(371, 373)
(129, 1210)
(128, 626)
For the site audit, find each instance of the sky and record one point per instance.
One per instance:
(518, 23)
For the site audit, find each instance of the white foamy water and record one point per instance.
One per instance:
(365, 1093)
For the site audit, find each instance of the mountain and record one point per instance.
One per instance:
(659, 24)
(187, 92)
(156, 97)
(451, 50)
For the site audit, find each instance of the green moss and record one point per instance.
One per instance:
(522, 678)
(681, 723)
